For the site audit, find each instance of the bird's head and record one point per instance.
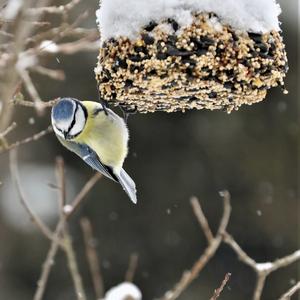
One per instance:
(68, 118)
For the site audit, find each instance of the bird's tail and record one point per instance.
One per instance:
(128, 185)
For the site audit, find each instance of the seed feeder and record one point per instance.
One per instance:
(174, 55)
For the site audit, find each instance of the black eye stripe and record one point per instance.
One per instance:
(74, 118)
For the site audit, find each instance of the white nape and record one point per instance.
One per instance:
(126, 18)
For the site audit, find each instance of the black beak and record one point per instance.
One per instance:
(65, 135)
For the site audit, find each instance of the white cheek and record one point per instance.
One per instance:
(57, 132)
(79, 122)
(63, 125)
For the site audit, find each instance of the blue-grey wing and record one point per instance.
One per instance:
(90, 157)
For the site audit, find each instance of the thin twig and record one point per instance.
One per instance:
(56, 241)
(66, 237)
(71, 48)
(292, 291)
(25, 103)
(47, 266)
(72, 264)
(198, 212)
(34, 218)
(62, 9)
(71, 209)
(60, 175)
(29, 85)
(16, 179)
(53, 74)
(242, 255)
(213, 244)
(92, 257)
(30, 139)
(132, 266)
(262, 270)
(219, 290)
(8, 130)
(260, 284)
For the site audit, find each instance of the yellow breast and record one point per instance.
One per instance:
(106, 135)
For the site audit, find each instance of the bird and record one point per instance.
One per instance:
(97, 135)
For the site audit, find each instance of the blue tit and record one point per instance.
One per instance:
(97, 135)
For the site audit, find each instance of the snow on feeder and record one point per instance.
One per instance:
(174, 55)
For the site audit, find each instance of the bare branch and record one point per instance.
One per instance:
(61, 182)
(46, 104)
(21, 49)
(71, 209)
(189, 276)
(8, 130)
(198, 212)
(47, 266)
(73, 267)
(263, 270)
(30, 139)
(282, 262)
(66, 237)
(59, 241)
(53, 74)
(133, 263)
(242, 255)
(15, 177)
(62, 9)
(92, 257)
(32, 91)
(292, 291)
(219, 290)
(73, 47)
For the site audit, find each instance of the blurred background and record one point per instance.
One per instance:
(252, 152)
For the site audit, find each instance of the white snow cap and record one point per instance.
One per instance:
(124, 291)
(126, 17)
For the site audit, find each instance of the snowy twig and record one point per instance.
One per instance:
(92, 257)
(219, 290)
(132, 266)
(73, 47)
(262, 270)
(292, 291)
(213, 244)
